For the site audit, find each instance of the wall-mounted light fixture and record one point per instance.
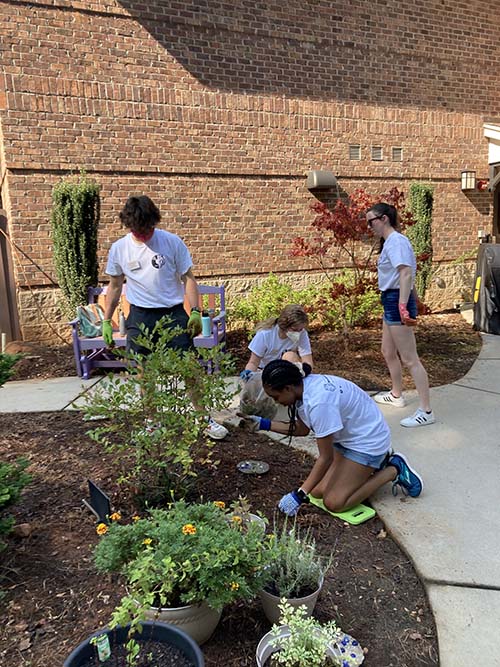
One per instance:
(468, 180)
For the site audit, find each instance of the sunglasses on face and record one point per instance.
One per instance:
(371, 220)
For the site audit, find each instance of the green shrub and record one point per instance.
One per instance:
(13, 479)
(7, 363)
(75, 217)
(420, 202)
(343, 304)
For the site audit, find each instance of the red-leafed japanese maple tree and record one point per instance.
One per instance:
(343, 247)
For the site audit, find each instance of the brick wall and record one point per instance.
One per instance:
(218, 111)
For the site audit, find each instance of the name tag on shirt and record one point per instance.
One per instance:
(134, 265)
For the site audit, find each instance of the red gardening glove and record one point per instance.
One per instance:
(405, 316)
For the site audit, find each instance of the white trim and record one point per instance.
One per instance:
(492, 133)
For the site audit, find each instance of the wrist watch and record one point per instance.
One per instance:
(304, 498)
(196, 309)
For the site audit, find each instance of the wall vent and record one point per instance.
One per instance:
(397, 154)
(354, 152)
(376, 152)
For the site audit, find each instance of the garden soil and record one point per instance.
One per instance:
(53, 597)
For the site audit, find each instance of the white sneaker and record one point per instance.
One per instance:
(386, 398)
(215, 431)
(419, 418)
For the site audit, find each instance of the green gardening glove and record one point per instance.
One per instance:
(194, 323)
(107, 333)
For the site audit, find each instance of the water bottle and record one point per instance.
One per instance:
(122, 326)
(206, 329)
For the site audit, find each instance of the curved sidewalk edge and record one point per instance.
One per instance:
(452, 532)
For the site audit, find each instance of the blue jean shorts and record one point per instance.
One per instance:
(390, 302)
(370, 460)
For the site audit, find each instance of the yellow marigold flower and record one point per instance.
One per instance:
(136, 517)
(147, 541)
(101, 529)
(189, 529)
(237, 519)
(116, 516)
(220, 504)
(234, 585)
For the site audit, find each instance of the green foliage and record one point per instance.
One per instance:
(13, 479)
(297, 566)
(7, 363)
(308, 642)
(420, 202)
(182, 555)
(75, 217)
(149, 422)
(347, 303)
(268, 299)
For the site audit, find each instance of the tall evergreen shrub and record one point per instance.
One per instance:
(75, 217)
(420, 203)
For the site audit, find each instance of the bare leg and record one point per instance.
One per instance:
(390, 353)
(404, 341)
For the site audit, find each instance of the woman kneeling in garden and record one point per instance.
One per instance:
(353, 438)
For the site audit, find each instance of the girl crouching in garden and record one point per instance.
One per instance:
(353, 438)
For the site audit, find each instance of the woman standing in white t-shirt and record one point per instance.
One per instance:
(283, 337)
(353, 438)
(396, 276)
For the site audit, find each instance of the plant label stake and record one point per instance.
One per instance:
(99, 504)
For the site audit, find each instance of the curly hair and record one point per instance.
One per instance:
(290, 316)
(140, 214)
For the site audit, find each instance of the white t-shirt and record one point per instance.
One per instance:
(397, 251)
(153, 269)
(334, 406)
(267, 344)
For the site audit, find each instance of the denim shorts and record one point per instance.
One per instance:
(149, 317)
(390, 302)
(370, 460)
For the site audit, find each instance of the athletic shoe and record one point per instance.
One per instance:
(408, 480)
(387, 458)
(418, 418)
(386, 398)
(215, 431)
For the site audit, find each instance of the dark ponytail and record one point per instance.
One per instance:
(279, 374)
(392, 214)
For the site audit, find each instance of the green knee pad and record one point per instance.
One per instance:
(355, 515)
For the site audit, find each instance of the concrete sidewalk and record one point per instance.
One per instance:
(451, 533)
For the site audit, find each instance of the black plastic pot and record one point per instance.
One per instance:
(156, 631)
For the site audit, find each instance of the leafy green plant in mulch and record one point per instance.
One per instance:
(75, 217)
(420, 203)
(7, 363)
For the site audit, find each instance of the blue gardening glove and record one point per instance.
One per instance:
(254, 423)
(246, 375)
(194, 323)
(107, 333)
(290, 503)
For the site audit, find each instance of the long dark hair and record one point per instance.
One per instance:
(140, 214)
(391, 212)
(279, 374)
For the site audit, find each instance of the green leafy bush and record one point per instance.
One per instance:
(420, 202)
(149, 423)
(7, 363)
(343, 302)
(75, 217)
(13, 479)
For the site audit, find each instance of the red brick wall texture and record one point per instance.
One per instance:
(218, 110)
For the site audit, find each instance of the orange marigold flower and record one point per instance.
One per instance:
(136, 517)
(237, 519)
(147, 541)
(116, 516)
(101, 529)
(234, 585)
(189, 529)
(220, 504)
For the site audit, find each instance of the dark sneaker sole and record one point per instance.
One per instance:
(402, 456)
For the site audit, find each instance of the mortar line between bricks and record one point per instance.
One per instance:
(457, 584)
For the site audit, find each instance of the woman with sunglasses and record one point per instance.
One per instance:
(396, 276)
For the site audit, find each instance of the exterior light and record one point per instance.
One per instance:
(468, 180)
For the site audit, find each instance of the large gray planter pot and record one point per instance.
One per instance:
(197, 620)
(270, 602)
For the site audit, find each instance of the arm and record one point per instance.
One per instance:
(321, 465)
(113, 295)
(300, 428)
(404, 283)
(253, 363)
(307, 359)
(191, 288)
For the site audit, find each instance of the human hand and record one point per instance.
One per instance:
(290, 503)
(253, 423)
(405, 316)
(194, 323)
(107, 333)
(246, 375)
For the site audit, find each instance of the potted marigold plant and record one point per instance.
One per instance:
(182, 564)
(302, 641)
(297, 570)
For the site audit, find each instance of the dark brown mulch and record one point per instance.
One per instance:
(54, 598)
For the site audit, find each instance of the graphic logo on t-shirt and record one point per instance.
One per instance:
(158, 261)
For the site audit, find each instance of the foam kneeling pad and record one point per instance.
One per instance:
(355, 515)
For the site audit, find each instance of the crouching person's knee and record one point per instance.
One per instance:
(335, 503)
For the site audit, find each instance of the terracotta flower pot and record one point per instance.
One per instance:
(197, 620)
(270, 602)
(156, 632)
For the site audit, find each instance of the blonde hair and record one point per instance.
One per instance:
(290, 316)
